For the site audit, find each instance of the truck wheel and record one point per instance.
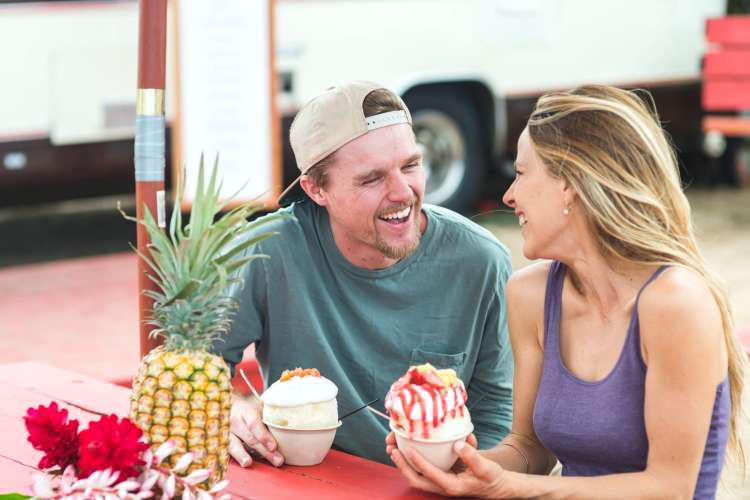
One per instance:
(447, 131)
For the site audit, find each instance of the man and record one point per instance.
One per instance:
(363, 281)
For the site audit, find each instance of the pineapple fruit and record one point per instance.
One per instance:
(182, 392)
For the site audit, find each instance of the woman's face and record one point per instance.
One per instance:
(539, 201)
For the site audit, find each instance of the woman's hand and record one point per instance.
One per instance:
(475, 476)
(390, 445)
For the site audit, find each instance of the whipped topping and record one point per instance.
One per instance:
(426, 404)
(299, 391)
(426, 394)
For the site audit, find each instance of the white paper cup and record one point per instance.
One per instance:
(303, 446)
(439, 453)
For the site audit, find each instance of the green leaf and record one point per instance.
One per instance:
(236, 264)
(242, 247)
(175, 222)
(150, 263)
(192, 265)
(160, 241)
(13, 496)
(195, 213)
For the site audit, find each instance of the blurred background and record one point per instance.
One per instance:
(470, 71)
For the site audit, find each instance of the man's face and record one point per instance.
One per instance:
(374, 197)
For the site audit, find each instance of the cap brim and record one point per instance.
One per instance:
(291, 193)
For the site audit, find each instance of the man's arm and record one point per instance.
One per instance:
(247, 327)
(249, 321)
(491, 386)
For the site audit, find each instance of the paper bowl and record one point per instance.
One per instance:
(439, 453)
(303, 446)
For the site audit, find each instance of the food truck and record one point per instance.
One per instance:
(469, 71)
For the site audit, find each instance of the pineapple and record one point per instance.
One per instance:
(182, 392)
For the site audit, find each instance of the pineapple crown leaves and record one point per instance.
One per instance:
(193, 265)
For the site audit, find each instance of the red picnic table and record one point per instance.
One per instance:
(30, 384)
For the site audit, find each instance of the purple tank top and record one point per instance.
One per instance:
(597, 428)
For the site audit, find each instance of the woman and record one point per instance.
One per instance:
(627, 369)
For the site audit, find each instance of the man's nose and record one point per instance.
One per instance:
(399, 188)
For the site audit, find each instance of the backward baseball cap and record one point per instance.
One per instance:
(334, 118)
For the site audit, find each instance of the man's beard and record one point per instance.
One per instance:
(401, 252)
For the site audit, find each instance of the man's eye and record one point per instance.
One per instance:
(371, 180)
(411, 167)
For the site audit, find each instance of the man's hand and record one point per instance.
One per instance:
(247, 431)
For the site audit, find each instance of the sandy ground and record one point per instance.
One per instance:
(722, 222)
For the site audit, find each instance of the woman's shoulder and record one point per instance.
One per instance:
(679, 307)
(678, 290)
(528, 284)
(525, 295)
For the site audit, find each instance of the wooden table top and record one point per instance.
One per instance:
(30, 384)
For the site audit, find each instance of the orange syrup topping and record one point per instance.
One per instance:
(299, 372)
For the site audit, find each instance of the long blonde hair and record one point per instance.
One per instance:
(608, 145)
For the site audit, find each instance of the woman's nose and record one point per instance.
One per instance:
(508, 198)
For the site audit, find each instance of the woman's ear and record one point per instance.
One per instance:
(569, 194)
(315, 192)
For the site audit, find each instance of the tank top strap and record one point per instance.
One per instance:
(553, 307)
(633, 340)
(647, 283)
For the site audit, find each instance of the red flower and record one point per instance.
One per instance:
(51, 432)
(111, 444)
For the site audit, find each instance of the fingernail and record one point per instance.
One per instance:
(270, 445)
(459, 446)
(277, 459)
(245, 462)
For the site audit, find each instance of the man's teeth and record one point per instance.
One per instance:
(521, 220)
(398, 215)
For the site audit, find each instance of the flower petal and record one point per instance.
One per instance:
(109, 477)
(42, 485)
(94, 479)
(164, 451)
(169, 486)
(183, 463)
(150, 481)
(129, 485)
(219, 486)
(197, 476)
(148, 458)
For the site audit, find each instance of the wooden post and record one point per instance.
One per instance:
(149, 142)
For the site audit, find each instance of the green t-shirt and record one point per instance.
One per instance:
(444, 304)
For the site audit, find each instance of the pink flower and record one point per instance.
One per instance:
(111, 444)
(51, 432)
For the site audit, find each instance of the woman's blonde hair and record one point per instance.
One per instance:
(608, 145)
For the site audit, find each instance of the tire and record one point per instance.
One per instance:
(447, 130)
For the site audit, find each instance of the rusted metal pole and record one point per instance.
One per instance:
(149, 142)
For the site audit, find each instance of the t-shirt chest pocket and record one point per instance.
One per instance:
(439, 360)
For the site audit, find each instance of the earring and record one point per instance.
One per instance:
(566, 211)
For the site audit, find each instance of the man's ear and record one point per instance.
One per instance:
(315, 192)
